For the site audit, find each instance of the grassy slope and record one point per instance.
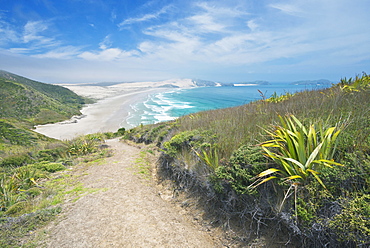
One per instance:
(35, 102)
(25, 103)
(335, 217)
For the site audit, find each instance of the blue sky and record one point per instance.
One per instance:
(227, 41)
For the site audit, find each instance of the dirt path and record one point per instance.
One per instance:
(130, 213)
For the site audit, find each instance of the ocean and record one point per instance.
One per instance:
(178, 102)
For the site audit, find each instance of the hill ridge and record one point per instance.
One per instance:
(37, 103)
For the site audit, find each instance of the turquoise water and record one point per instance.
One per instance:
(170, 105)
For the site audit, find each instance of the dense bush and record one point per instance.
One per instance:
(242, 167)
(16, 160)
(185, 141)
(353, 223)
(49, 166)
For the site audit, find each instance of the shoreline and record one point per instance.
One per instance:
(108, 114)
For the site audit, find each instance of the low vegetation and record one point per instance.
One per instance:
(33, 184)
(294, 166)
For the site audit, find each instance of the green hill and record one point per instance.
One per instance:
(25, 103)
(23, 99)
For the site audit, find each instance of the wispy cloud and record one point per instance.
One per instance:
(32, 30)
(290, 9)
(32, 39)
(65, 52)
(106, 43)
(7, 33)
(145, 17)
(108, 54)
(33, 33)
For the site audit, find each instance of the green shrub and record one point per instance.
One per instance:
(154, 133)
(305, 211)
(275, 98)
(52, 154)
(188, 140)
(120, 132)
(15, 208)
(239, 172)
(49, 166)
(94, 137)
(355, 85)
(8, 192)
(162, 135)
(110, 135)
(82, 147)
(27, 176)
(35, 191)
(14, 185)
(353, 223)
(16, 160)
(353, 177)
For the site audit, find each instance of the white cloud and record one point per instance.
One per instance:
(32, 30)
(109, 54)
(290, 9)
(19, 50)
(7, 34)
(230, 11)
(113, 16)
(252, 25)
(205, 23)
(106, 43)
(145, 17)
(67, 52)
(215, 19)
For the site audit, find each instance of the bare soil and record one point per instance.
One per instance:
(130, 212)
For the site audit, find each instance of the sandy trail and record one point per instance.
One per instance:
(129, 214)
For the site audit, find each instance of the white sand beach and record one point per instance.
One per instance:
(110, 111)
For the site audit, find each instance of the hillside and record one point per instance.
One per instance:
(25, 103)
(293, 167)
(26, 100)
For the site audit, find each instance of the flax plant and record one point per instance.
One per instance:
(356, 85)
(210, 158)
(301, 152)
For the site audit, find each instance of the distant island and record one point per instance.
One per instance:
(313, 82)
